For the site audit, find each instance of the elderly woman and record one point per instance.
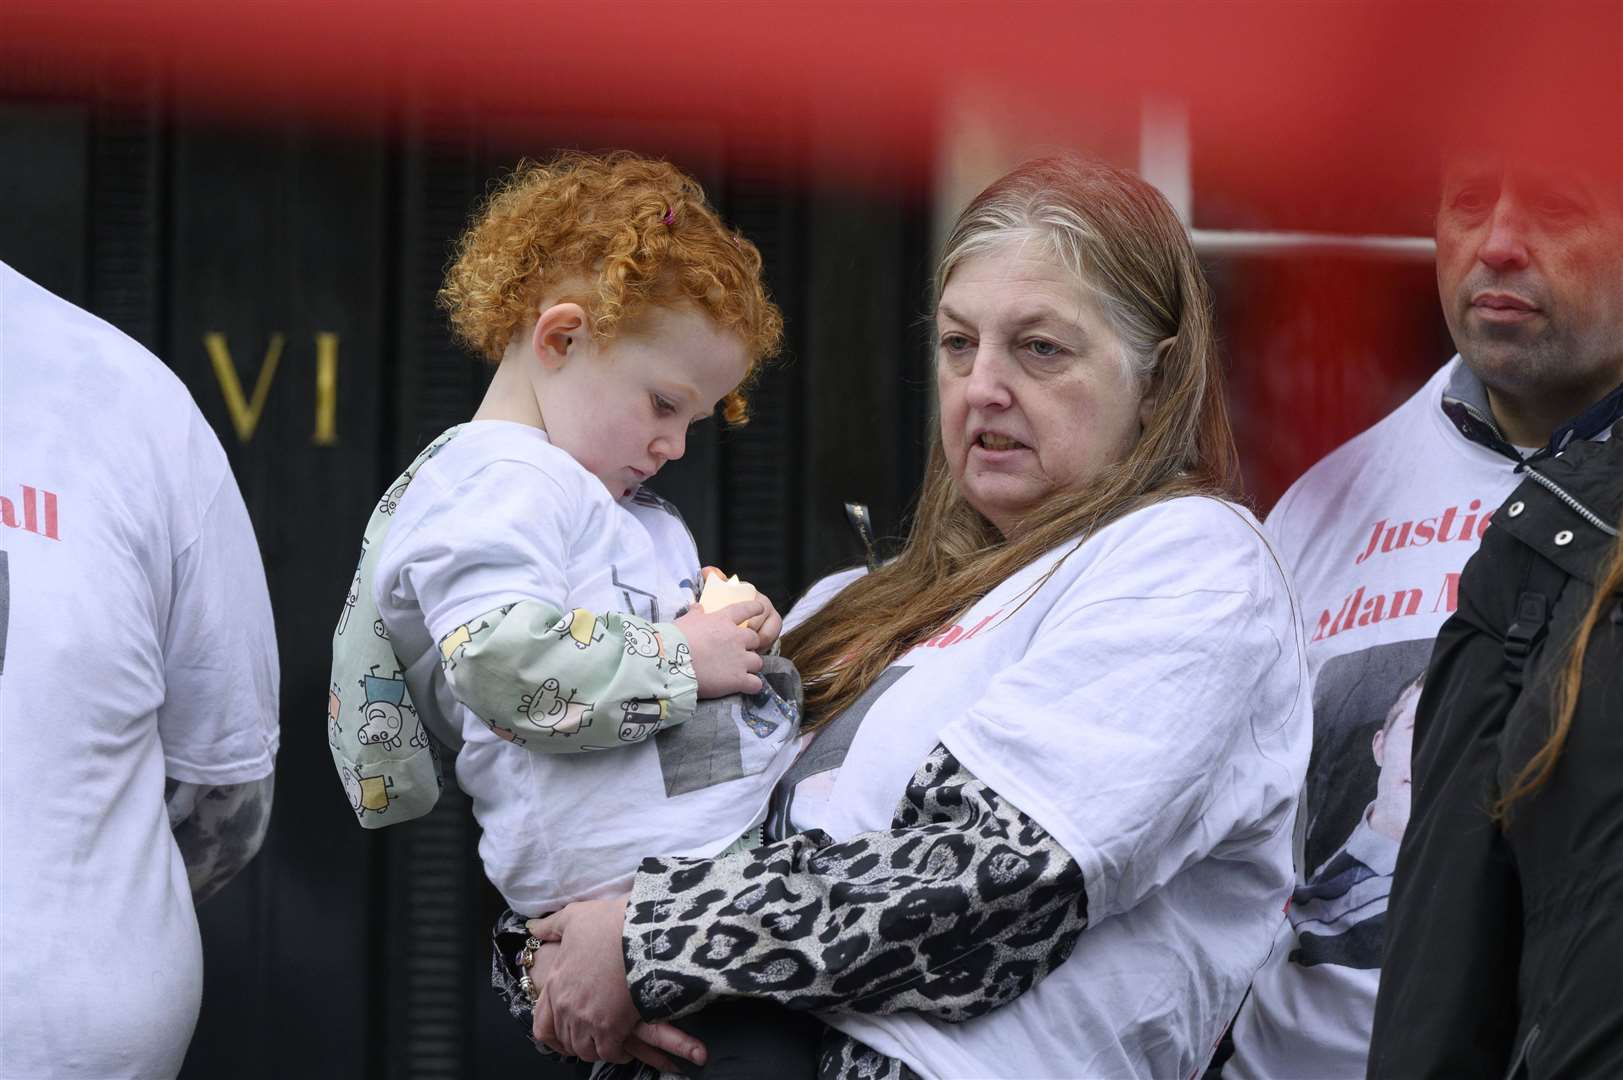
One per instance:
(1042, 826)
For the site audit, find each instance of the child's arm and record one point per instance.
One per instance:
(562, 682)
(488, 565)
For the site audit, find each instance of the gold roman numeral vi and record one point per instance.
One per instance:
(246, 411)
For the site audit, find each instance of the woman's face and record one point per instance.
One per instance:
(1036, 393)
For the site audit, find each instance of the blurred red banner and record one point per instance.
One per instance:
(1333, 88)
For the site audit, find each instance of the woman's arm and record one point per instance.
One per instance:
(963, 905)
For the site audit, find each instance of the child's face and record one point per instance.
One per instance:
(1394, 747)
(622, 408)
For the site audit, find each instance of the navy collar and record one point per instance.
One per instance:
(1591, 422)
(1465, 403)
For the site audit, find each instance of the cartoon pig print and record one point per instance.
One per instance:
(385, 710)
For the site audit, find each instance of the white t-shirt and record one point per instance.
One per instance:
(499, 516)
(135, 643)
(1149, 708)
(1375, 536)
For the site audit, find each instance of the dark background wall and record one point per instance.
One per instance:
(346, 953)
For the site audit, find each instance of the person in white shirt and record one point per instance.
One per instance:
(525, 597)
(1043, 825)
(1530, 275)
(138, 694)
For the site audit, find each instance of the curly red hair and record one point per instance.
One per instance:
(638, 230)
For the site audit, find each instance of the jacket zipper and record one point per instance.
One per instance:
(1577, 507)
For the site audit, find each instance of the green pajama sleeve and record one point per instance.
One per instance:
(562, 682)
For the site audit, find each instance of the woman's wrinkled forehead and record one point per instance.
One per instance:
(1032, 247)
(992, 297)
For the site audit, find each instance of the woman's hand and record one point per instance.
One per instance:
(725, 654)
(584, 1007)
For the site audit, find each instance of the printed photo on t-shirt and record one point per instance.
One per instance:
(1359, 780)
(730, 737)
(811, 777)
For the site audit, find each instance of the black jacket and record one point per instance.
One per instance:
(1504, 950)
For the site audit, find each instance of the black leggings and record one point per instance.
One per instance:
(754, 1040)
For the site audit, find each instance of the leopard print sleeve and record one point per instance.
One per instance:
(962, 906)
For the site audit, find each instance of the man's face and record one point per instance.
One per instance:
(1530, 274)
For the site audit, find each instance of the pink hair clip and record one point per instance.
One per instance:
(670, 216)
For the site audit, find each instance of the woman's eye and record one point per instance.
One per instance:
(1042, 348)
(954, 342)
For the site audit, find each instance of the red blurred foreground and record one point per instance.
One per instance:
(1332, 90)
(1329, 116)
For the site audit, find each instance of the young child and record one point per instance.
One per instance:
(523, 596)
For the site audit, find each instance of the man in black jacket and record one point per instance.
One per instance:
(1504, 936)
(1530, 275)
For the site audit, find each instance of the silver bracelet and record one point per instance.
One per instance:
(525, 960)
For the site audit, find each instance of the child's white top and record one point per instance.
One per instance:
(500, 516)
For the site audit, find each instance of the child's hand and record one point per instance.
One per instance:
(767, 625)
(725, 656)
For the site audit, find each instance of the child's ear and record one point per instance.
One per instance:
(559, 331)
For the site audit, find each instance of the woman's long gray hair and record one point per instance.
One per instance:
(1125, 244)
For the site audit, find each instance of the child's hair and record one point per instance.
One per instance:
(638, 230)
